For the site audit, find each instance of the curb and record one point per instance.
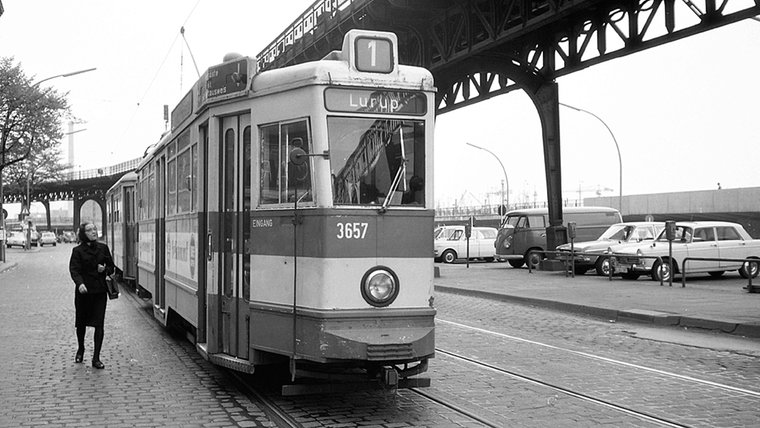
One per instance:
(7, 265)
(630, 315)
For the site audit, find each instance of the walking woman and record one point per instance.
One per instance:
(90, 262)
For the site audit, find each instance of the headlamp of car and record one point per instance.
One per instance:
(380, 286)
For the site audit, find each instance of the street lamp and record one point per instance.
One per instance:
(620, 159)
(2, 219)
(506, 180)
(64, 75)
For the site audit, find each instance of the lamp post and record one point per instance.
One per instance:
(2, 219)
(620, 159)
(64, 75)
(506, 180)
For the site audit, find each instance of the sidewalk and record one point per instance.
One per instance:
(152, 378)
(715, 304)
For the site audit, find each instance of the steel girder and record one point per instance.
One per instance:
(541, 38)
(554, 38)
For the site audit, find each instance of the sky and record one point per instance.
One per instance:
(685, 115)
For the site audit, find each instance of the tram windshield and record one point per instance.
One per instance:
(377, 161)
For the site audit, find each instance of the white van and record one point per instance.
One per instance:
(450, 243)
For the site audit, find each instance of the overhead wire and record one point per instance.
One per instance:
(158, 70)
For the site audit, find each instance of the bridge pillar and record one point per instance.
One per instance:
(46, 204)
(77, 214)
(546, 98)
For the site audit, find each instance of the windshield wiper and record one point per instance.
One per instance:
(400, 173)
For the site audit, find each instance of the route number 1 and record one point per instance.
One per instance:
(374, 55)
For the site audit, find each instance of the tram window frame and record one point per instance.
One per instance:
(371, 188)
(171, 186)
(182, 172)
(276, 142)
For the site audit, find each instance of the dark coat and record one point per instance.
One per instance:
(83, 266)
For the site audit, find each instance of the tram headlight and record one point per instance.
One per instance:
(380, 286)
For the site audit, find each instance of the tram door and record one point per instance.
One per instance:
(234, 332)
(159, 298)
(128, 216)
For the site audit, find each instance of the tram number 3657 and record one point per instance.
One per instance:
(352, 230)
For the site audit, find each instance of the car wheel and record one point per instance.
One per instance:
(516, 263)
(661, 271)
(749, 268)
(717, 273)
(533, 259)
(449, 256)
(603, 266)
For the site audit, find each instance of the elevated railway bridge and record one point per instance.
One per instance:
(76, 186)
(478, 49)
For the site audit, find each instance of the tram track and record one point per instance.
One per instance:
(640, 410)
(755, 394)
(560, 389)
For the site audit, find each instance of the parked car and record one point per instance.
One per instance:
(48, 238)
(15, 239)
(69, 237)
(702, 239)
(591, 254)
(522, 234)
(34, 237)
(452, 243)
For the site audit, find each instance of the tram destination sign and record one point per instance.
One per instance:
(356, 100)
(224, 81)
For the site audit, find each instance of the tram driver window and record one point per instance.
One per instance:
(374, 160)
(279, 178)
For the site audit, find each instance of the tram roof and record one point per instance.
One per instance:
(338, 72)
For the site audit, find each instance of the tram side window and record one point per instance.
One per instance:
(184, 182)
(375, 159)
(171, 179)
(279, 178)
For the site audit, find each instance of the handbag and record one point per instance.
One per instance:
(112, 288)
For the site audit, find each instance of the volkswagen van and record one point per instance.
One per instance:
(522, 233)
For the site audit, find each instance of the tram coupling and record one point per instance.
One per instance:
(389, 376)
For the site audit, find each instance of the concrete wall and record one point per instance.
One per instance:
(696, 202)
(736, 205)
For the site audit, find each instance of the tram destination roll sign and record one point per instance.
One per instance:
(225, 81)
(375, 101)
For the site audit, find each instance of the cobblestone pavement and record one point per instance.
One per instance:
(150, 379)
(731, 361)
(155, 379)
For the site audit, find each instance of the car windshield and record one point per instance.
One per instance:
(618, 232)
(445, 233)
(683, 234)
(511, 221)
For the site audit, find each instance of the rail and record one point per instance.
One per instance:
(746, 262)
(126, 166)
(315, 17)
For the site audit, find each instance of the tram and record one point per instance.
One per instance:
(121, 227)
(287, 215)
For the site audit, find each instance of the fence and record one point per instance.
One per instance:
(568, 259)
